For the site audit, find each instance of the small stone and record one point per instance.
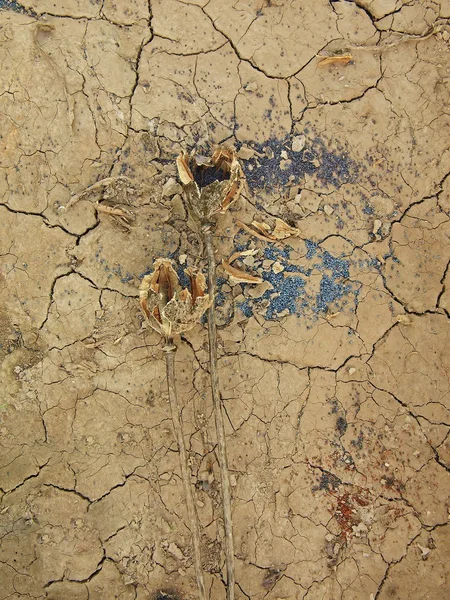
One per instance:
(327, 209)
(171, 187)
(259, 290)
(249, 261)
(310, 200)
(268, 152)
(245, 153)
(183, 259)
(376, 226)
(425, 551)
(177, 207)
(175, 551)
(294, 192)
(285, 164)
(351, 370)
(284, 154)
(298, 143)
(403, 319)
(277, 267)
(267, 264)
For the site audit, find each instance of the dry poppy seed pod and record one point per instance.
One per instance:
(168, 308)
(212, 184)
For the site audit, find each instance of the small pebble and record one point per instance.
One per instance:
(249, 261)
(259, 290)
(298, 143)
(376, 226)
(277, 267)
(245, 153)
(327, 209)
(171, 187)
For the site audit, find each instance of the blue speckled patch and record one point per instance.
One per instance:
(15, 7)
(269, 170)
(290, 289)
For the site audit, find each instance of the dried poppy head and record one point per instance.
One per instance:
(168, 308)
(211, 184)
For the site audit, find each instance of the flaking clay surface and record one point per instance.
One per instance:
(334, 368)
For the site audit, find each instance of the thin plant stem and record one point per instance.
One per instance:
(218, 413)
(169, 351)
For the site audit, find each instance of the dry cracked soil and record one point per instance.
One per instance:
(334, 370)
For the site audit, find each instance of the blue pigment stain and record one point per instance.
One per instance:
(290, 290)
(269, 170)
(311, 248)
(15, 7)
(245, 308)
(330, 292)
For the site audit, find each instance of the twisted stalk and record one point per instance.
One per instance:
(218, 413)
(169, 351)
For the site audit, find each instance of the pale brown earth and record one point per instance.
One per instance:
(335, 382)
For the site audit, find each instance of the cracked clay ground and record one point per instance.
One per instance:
(334, 370)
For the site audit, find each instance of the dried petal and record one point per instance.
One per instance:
(282, 230)
(197, 281)
(342, 59)
(236, 255)
(238, 275)
(265, 237)
(184, 171)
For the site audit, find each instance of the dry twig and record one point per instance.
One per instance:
(218, 414)
(169, 352)
(170, 310)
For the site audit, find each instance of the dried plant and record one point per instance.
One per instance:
(171, 310)
(211, 185)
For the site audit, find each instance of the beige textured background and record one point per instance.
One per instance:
(337, 397)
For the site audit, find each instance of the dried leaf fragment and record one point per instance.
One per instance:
(253, 231)
(403, 319)
(261, 230)
(237, 255)
(337, 59)
(282, 230)
(239, 276)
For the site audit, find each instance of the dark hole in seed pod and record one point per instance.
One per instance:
(166, 595)
(205, 174)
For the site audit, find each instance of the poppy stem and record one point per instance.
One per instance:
(218, 413)
(169, 351)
